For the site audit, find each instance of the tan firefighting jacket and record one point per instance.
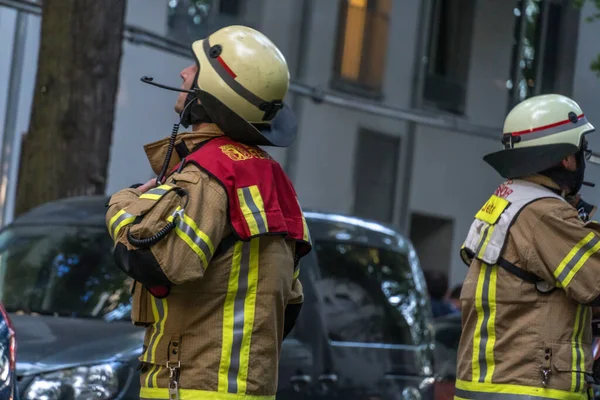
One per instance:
(222, 322)
(518, 342)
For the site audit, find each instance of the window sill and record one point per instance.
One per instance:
(354, 88)
(433, 106)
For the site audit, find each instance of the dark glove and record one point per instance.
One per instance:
(585, 210)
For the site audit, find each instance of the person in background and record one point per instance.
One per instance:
(437, 284)
(454, 296)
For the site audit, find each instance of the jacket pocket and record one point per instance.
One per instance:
(567, 366)
(141, 310)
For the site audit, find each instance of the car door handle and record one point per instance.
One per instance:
(327, 383)
(328, 378)
(300, 382)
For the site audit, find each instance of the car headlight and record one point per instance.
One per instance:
(96, 382)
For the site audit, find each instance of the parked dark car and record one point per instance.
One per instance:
(8, 375)
(447, 338)
(365, 330)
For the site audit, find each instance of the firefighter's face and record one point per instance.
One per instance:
(187, 75)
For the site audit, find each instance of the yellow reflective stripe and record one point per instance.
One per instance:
(198, 241)
(485, 240)
(576, 258)
(152, 377)
(491, 325)
(160, 310)
(192, 394)
(296, 273)
(577, 353)
(305, 233)
(475, 369)
(118, 221)
(228, 316)
(486, 391)
(148, 380)
(484, 338)
(157, 192)
(238, 318)
(248, 313)
(253, 208)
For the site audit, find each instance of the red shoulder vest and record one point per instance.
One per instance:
(262, 200)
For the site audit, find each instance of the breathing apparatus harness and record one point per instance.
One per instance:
(192, 113)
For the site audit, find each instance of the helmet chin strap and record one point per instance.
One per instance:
(192, 113)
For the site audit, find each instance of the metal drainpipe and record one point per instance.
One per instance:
(291, 159)
(405, 169)
(12, 110)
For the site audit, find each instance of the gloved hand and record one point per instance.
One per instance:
(585, 210)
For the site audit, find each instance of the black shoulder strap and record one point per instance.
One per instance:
(510, 267)
(513, 269)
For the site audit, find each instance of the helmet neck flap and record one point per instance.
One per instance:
(571, 180)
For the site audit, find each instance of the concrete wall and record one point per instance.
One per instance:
(450, 178)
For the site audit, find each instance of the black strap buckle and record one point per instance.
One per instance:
(271, 109)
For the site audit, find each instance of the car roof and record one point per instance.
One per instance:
(324, 226)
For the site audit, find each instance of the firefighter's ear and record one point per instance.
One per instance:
(569, 162)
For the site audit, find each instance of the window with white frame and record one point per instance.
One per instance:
(448, 56)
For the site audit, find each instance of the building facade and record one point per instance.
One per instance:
(417, 91)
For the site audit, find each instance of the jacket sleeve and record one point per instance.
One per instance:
(194, 202)
(292, 310)
(565, 250)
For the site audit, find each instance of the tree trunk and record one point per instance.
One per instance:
(66, 150)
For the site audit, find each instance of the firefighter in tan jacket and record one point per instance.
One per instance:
(214, 246)
(534, 264)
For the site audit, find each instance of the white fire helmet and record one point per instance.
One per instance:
(242, 81)
(538, 133)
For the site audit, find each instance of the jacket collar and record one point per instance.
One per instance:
(548, 183)
(157, 151)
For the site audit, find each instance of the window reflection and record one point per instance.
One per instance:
(64, 270)
(369, 294)
(190, 20)
(536, 48)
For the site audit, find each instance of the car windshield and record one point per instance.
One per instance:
(61, 270)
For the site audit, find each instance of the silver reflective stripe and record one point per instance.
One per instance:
(157, 191)
(115, 224)
(188, 230)
(230, 80)
(238, 319)
(260, 222)
(153, 372)
(573, 262)
(567, 126)
(470, 395)
(485, 305)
